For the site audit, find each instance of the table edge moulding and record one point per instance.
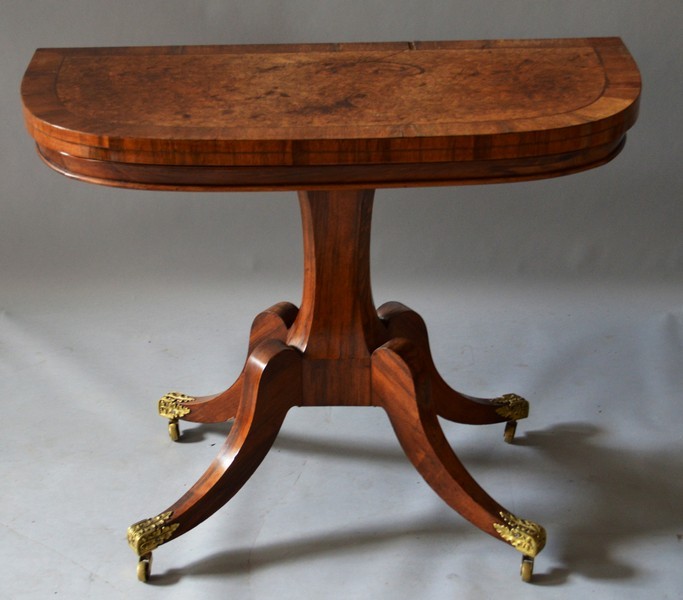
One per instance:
(333, 122)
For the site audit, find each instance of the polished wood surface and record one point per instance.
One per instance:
(334, 122)
(331, 115)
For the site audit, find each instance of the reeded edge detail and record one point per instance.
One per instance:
(147, 535)
(172, 405)
(525, 536)
(511, 406)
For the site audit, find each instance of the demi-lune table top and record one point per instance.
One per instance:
(330, 115)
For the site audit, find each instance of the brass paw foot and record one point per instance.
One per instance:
(173, 406)
(147, 535)
(525, 536)
(511, 407)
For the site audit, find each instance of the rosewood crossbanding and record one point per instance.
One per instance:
(333, 122)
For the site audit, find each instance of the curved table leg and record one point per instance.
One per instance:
(272, 385)
(403, 322)
(401, 385)
(272, 323)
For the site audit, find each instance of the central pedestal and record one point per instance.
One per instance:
(337, 328)
(338, 350)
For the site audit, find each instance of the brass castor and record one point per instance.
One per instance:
(145, 567)
(510, 430)
(527, 568)
(174, 430)
(173, 406)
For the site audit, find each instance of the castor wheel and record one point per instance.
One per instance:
(527, 569)
(173, 406)
(145, 567)
(510, 430)
(174, 430)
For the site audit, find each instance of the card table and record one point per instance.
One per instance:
(333, 122)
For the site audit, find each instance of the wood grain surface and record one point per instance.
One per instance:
(330, 115)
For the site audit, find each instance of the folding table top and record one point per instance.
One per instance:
(331, 115)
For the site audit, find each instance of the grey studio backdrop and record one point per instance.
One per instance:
(566, 290)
